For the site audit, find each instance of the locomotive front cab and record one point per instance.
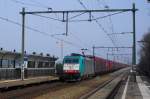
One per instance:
(71, 68)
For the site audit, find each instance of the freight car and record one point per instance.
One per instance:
(77, 67)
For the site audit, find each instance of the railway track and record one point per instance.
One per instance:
(26, 90)
(85, 96)
(59, 90)
(113, 84)
(114, 92)
(35, 90)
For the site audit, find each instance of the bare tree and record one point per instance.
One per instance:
(144, 65)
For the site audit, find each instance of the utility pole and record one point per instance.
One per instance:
(134, 38)
(23, 43)
(67, 14)
(62, 45)
(134, 43)
(107, 62)
(94, 57)
(107, 56)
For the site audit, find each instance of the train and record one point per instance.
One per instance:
(77, 67)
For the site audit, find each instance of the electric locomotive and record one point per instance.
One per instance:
(77, 67)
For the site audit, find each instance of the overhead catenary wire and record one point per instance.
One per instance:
(38, 31)
(61, 21)
(56, 19)
(109, 15)
(81, 41)
(110, 18)
(93, 19)
(77, 15)
(103, 3)
(41, 4)
(81, 3)
(98, 18)
(27, 4)
(70, 18)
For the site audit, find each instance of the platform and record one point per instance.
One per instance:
(135, 90)
(19, 82)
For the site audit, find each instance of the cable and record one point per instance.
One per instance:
(77, 15)
(99, 23)
(44, 33)
(47, 17)
(111, 23)
(28, 4)
(39, 3)
(81, 3)
(75, 36)
(98, 18)
(112, 27)
(56, 19)
(103, 3)
(100, 3)
(108, 15)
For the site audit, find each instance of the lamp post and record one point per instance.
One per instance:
(61, 45)
(61, 48)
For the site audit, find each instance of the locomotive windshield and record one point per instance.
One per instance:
(71, 61)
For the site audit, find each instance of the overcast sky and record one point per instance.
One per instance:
(80, 35)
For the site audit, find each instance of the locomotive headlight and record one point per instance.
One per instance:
(76, 67)
(71, 67)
